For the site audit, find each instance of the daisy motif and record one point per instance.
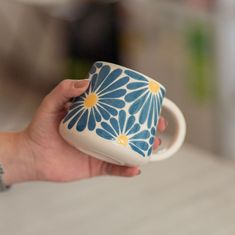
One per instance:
(146, 98)
(151, 140)
(126, 132)
(102, 99)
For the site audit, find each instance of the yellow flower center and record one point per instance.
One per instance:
(123, 140)
(154, 87)
(91, 100)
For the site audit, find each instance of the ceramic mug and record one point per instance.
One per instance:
(116, 119)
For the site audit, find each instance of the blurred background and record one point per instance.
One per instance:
(188, 45)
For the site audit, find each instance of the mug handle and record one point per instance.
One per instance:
(179, 135)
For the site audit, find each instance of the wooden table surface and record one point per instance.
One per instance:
(191, 193)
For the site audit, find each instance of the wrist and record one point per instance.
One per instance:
(16, 158)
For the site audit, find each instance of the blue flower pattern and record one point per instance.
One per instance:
(103, 103)
(125, 131)
(151, 140)
(100, 101)
(145, 97)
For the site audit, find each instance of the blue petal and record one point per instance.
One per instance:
(137, 150)
(81, 125)
(98, 64)
(145, 111)
(74, 119)
(161, 98)
(130, 97)
(150, 151)
(134, 129)
(108, 129)
(70, 114)
(141, 135)
(109, 109)
(130, 123)
(160, 102)
(103, 112)
(119, 83)
(97, 115)
(91, 122)
(110, 79)
(158, 110)
(134, 75)
(136, 85)
(141, 145)
(153, 131)
(151, 140)
(114, 102)
(163, 91)
(137, 105)
(151, 113)
(155, 112)
(114, 94)
(158, 106)
(122, 119)
(101, 77)
(162, 94)
(93, 82)
(115, 125)
(104, 134)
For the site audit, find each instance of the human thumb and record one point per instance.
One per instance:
(62, 93)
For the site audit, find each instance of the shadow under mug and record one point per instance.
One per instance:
(116, 119)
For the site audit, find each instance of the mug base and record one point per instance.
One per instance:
(102, 157)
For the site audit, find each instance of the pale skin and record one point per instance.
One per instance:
(38, 153)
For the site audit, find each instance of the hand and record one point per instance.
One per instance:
(50, 157)
(55, 160)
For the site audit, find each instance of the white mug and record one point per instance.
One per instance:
(116, 119)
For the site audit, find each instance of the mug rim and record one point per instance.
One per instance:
(133, 70)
